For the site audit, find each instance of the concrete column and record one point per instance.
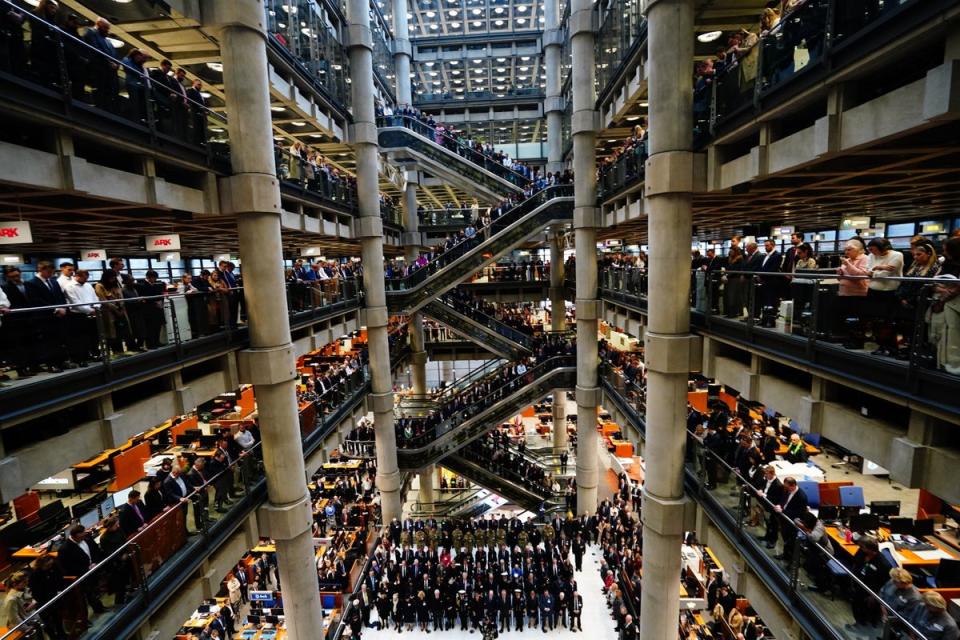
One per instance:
(553, 101)
(402, 52)
(810, 417)
(254, 197)
(411, 251)
(585, 222)
(668, 342)
(369, 229)
(558, 323)
(426, 484)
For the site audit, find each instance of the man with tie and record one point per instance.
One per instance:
(771, 488)
(771, 286)
(43, 291)
(77, 555)
(197, 477)
(792, 506)
(133, 514)
(175, 489)
(576, 609)
(546, 611)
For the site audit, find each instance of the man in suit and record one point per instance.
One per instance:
(77, 555)
(152, 310)
(771, 488)
(546, 610)
(103, 66)
(176, 490)
(792, 505)
(198, 108)
(44, 291)
(133, 514)
(197, 478)
(17, 332)
(771, 286)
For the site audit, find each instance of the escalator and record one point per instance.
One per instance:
(468, 501)
(512, 489)
(405, 139)
(486, 331)
(558, 372)
(553, 205)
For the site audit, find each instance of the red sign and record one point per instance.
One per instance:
(9, 232)
(162, 242)
(15, 232)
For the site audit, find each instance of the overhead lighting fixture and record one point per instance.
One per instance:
(117, 44)
(299, 123)
(477, 23)
(521, 20)
(709, 36)
(452, 13)
(316, 136)
(643, 105)
(431, 14)
(498, 10)
(521, 8)
(478, 60)
(477, 12)
(633, 118)
(454, 63)
(499, 23)
(216, 66)
(434, 27)
(277, 109)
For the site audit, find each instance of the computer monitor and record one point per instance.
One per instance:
(828, 512)
(106, 506)
(87, 504)
(864, 522)
(120, 497)
(194, 434)
(89, 519)
(253, 619)
(208, 442)
(204, 608)
(50, 511)
(885, 508)
(948, 574)
(903, 526)
(271, 619)
(183, 440)
(923, 527)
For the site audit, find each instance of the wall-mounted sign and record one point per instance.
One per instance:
(10, 258)
(932, 227)
(311, 251)
(855, 222)
(15, 232)
(781, 232)
(165, 242)
(93, 254)
(225, 257)
(171, 256)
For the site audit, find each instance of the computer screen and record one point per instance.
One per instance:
(864, 522)
(90, 519)
(184, 440)
(208, 442)
(885, 507)
(272, 619)
(923, 527)
(903, 526)
(253, 619)
(106, 506)
(120, 497)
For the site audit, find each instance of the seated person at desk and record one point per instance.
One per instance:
(872, 569)
(899, 593)
(796, 450)
(932, 619)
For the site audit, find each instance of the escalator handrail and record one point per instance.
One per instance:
(548, 366)
(488, 321)
(517, 179)
(502, 224)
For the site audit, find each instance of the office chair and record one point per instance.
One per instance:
(947, 576)
(812, 491)
(813, 439)
(852, 497)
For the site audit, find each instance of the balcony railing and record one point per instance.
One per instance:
(807, 317)
(805, 572)
(151, 564)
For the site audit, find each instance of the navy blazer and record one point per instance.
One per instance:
(41, 295)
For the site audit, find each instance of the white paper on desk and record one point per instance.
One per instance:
(935, 554)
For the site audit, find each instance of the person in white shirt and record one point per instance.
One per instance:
(244, 438)
(4, 305)
(884, 264)
(82, 318)
(66, 275)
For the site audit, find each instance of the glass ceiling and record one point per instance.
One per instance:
(438, 18)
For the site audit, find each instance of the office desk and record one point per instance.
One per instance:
(809, 448)
(622, 448)
(905, 557)
(349, 465)
(256, 632)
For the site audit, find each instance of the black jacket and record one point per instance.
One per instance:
(73, 561)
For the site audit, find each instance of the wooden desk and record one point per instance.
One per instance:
(809, 448)
(907, 557)
(622, 448)
(30, 554)
(349, 465)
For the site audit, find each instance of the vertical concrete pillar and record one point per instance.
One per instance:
(369, 229)
(402, 52)
(411, 251)
(254, 198)
(426, 484)
(810, 417)
(553, 100)
(585, 222)
(558, 323)
(668, 342)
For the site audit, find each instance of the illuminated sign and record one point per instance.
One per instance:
(93, 254)
(932, 227)
(165, 242)
(15, 233)
(781, 232)
(855, 222)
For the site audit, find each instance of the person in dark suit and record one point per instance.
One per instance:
(154, 499)
(771, 287)
(198, 111)
(792, 505)
(197, 478)
(44, 291)
(175, 488)
(576, 609)
(133, 514)
(769, 487)
(103, 66)
(77, 555)
(152, 310)
(17, 333)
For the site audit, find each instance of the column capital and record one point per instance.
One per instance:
(267, 366)
(285, 522)
(418, 358)
(389, 481)
(553, 103)
(402, 47)
(363, 133)
(234, 13)
(588, 397)
(663, 515)
(381, 402)
(666, 353)
(359, 35)
(552, 38)
(588, 308)
(582, 22)
(367, 227)
(249, 192)
(584, 121)
(373, 317)
(412, 239)
(669, 172)
(586, 218)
